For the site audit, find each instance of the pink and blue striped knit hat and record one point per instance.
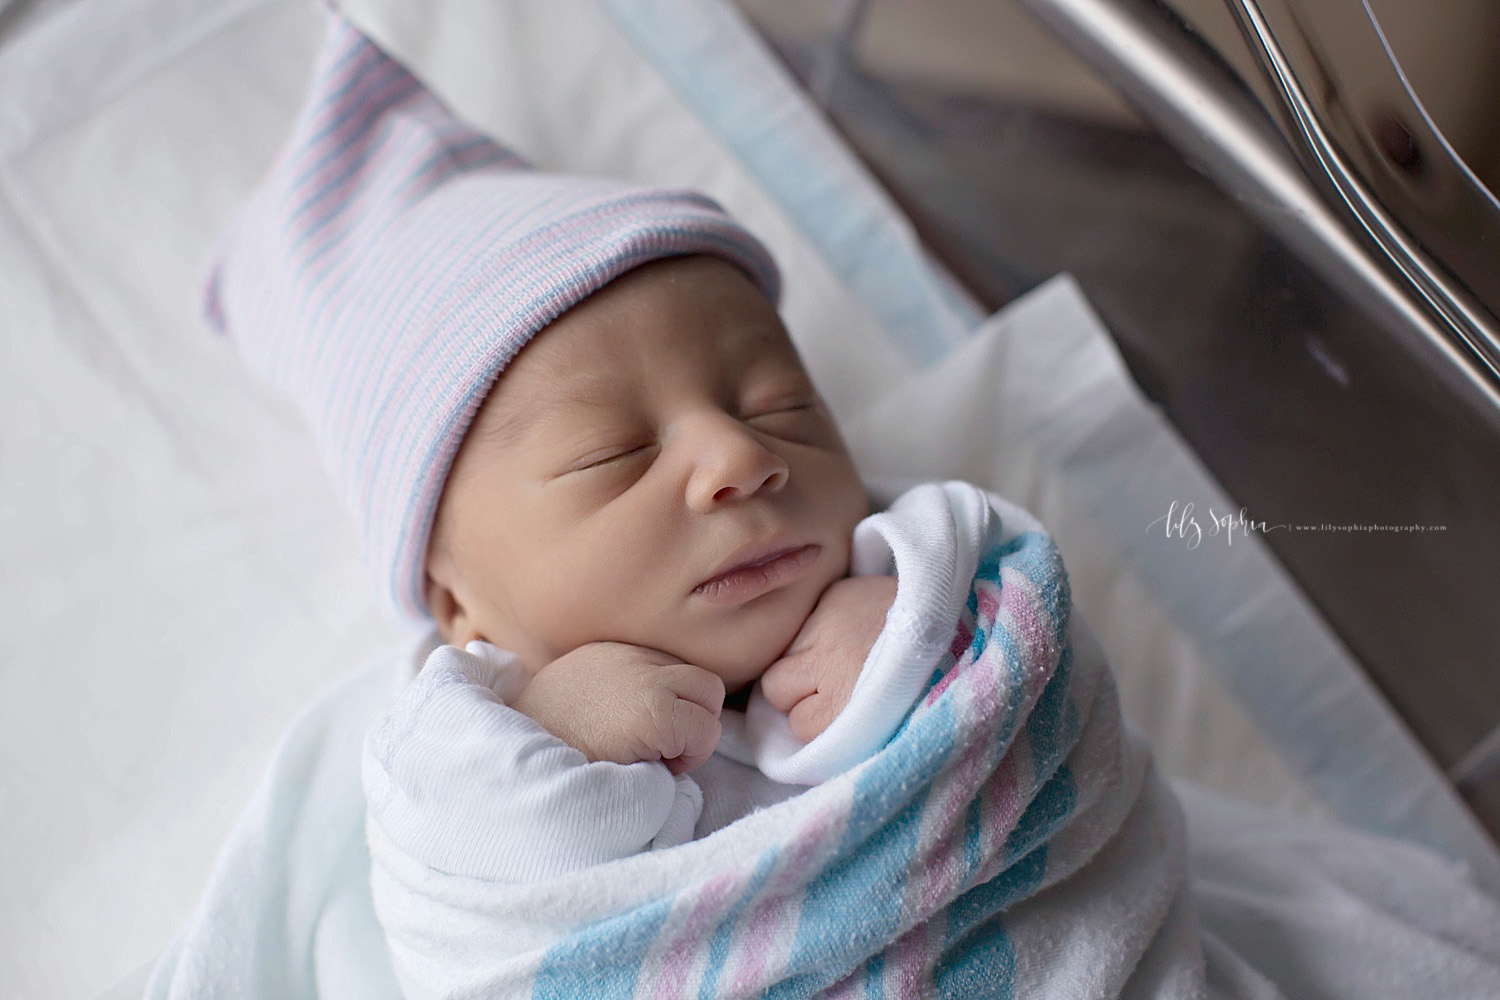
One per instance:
(392, 264)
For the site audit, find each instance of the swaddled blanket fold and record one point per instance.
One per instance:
(1009, 838)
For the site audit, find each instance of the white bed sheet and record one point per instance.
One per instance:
(179, 577)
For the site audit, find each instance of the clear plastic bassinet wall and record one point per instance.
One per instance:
(1283, 211)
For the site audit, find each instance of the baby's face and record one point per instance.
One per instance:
(657, 435)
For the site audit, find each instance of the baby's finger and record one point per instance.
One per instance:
(809, 717)
(693, 737)
(694, 684)
(786, 682)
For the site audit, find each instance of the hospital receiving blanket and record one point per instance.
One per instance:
(1010, 838)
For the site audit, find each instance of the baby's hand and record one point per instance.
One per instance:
(623, 703)
(812, 681)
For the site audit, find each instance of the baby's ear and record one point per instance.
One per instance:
(452, 620)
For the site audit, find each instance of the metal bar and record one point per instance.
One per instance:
(1143, 50)
(1442, 295)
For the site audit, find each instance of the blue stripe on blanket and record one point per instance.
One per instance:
(603, 960)
(1048, 813)
(983, 966)
(1053, 725)
(875, 977)
(972, 832)
(979, 960)
(875, 855)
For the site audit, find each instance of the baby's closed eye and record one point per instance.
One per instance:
(785, 412)
(606, 456)
(800, 422)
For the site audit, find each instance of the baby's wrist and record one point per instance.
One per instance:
(539, 701)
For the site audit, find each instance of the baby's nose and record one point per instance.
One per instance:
(732, 464)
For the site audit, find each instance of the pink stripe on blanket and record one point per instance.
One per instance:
(773, 920)
(907, 963)
(984, 597)
(963, 636)
(942, 868)
(676, 964)
(1032, 625)
(1000, 803)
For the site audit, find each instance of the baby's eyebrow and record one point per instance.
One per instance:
(516, 423)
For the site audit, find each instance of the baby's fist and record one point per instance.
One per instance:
(623, 703)
(814, 678)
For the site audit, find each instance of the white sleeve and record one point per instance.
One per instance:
(466, 785)
(929, 538)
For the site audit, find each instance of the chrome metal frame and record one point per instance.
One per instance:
(1420, 190)
(1354, 239)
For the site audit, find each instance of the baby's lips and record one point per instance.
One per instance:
(747, 580)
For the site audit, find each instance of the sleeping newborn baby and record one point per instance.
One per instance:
(651, 511)
(652, 507)
(692, 720)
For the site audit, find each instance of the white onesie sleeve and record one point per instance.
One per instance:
(469, 786)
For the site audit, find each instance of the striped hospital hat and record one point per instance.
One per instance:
(394, 261)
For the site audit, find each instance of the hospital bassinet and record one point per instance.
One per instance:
(180, 581)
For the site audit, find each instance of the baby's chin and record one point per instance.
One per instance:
(739, 667)
(766, 638)
(739, 677)
(739, 659)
